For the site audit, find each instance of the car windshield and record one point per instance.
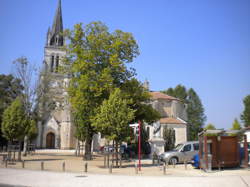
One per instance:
(178, 147)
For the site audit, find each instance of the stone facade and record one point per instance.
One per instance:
(173, 115)
(56, 129)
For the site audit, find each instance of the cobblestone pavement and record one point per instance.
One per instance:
(22, 177)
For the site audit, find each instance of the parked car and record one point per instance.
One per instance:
(181, 153)
(106, 148)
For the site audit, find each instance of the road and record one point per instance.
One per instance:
(19, 177)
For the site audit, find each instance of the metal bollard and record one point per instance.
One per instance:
(23, 162)
(174, 164)
(185, 163)
(136, 168)
(63, 166)
(86, 167)
(110, 168)
(120, 161)
(42, 165)
(164, 168)
(105, 165)
(6, 163)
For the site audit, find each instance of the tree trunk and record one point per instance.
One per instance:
(25, 145)
(41, 135)
(20, 151)
(113, 147)
(116, 150)
(88, 144)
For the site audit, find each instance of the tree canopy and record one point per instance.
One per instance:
(96, 61)
(179, 92)
(245, 116)
(195, 114)
(15, 121)
(236, 125)
(209, 126)
(113, 117)
(10, 88)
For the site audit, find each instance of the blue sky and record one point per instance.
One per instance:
(203, 44)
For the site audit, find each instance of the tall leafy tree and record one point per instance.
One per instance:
(179, 92)
(26, 72)
(210, 126)
(236, 125)
(10, 88)
(15, 122)
(195, 114)
(96, 61)
(245, 116)
(139, 97)
(113, 118)
(169, 137)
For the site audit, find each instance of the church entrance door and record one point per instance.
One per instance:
(50, 141)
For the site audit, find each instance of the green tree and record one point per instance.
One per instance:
(245, 116)
(113, 118)
(15, 122)
(10, 88)
(195, 114)
(210, 126)
(236, 125)
(139, 98)
(179, 92)
(96, 61)
(25, 71)
(169, 138)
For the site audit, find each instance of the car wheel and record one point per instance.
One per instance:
(173, 160)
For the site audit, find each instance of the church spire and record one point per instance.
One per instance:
(57, 28)
(58, 23)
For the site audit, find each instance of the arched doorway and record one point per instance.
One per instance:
(50, 140)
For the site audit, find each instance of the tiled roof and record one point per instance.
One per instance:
(159, 95)
(171, 121)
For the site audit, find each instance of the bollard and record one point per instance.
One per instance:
(219, 166)
(42, 165)
(120, 161)
(174, 164)
(110, 168)
(105, 165)
(136, 168)
(108, 160)
(164, 168)
(23, 164)
(63, 166)
(185, 163)
(6, 163)
(86, 167)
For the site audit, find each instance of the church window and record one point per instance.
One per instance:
(52, 64)
(57, 63)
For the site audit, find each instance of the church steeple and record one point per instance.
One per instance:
(56, 37)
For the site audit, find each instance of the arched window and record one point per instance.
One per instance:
(52, 64)
(57, 63)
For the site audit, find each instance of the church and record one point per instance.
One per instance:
(56, 129)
